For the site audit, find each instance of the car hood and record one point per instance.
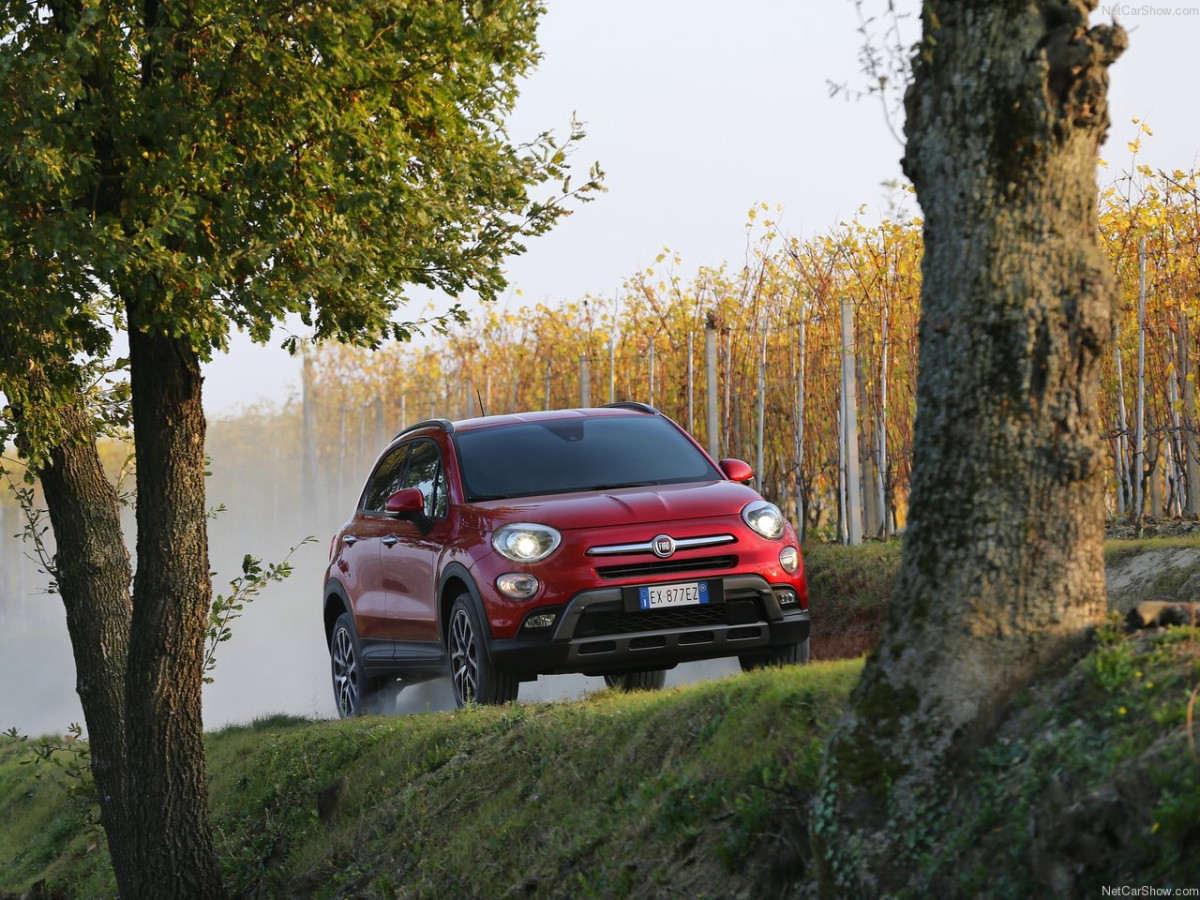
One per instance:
(663, 503)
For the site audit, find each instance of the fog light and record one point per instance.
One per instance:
(789, 558)
(517, 585)
(540, 620)
(787, 597)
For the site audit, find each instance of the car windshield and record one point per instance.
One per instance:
(577, 454)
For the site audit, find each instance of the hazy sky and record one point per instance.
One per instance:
(698, 109)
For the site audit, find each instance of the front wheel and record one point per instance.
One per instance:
(472, 674)
(651, 680)
(776, 657)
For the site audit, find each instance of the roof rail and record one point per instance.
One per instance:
(630, 404)
(445, 424)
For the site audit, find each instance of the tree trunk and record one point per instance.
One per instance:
(850, 459)
(1003, 569)
(93, 581)
(174, 854)
(1191, 445)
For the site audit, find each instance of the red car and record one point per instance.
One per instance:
(598, 541)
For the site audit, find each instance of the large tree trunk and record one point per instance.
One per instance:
(175, 853)
(1002, 571)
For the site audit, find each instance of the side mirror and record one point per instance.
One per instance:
(406, 504)
(736, 470)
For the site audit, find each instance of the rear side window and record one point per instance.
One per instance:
(577, 454)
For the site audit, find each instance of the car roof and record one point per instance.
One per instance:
(460, 426)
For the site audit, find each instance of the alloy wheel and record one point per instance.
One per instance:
(464, 657)
(346, 675)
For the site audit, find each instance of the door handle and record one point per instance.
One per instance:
(390, 541)
(349, 540)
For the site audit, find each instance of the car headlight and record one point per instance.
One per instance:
(526, 543)
(764, 518)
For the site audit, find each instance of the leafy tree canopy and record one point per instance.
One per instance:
(191, 167)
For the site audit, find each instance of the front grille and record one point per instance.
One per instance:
(667, 567)
(595, 623)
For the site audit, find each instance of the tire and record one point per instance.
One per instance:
(650, 680)
(354, 693)
(472, 675)
(776, 657)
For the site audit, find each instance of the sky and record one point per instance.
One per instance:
(699, 109)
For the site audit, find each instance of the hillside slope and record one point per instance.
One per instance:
(1093, 781)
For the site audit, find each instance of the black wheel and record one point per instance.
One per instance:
(474, 678)
(351, 688)
(793, 654)
(651, 680)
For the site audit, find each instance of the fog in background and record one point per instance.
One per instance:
(276, 661)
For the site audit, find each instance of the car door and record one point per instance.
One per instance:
(411, 554)
(361, 563)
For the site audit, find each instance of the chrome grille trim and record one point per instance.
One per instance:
(712, 540)
(661, 568)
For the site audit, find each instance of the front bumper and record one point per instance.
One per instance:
(594, 634)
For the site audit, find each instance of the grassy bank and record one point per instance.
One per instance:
(701, 791)
(1093, 781)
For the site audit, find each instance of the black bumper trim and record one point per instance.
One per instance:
(566, 650)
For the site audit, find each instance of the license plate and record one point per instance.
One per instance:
(660, 596)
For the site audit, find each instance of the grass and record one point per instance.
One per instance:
(48, 819)
(1092, 783)
(850, 587)
(699, 791)
(1118, 550)
(614, 795)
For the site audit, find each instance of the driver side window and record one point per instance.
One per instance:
(386, 479)
(425, 472)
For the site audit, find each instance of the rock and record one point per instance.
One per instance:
(331, 799)
(1161, 613)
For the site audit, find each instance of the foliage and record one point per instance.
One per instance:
(243, 589)
(647, 343)
(34, 524)
(204, 169)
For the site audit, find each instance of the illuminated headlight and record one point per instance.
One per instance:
(789, 559)
(517, 585)
(764, 518)
(525, 543)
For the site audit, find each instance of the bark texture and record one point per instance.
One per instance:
(93, 579)
(174, 852)
(140, 655)
(1002, 571)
